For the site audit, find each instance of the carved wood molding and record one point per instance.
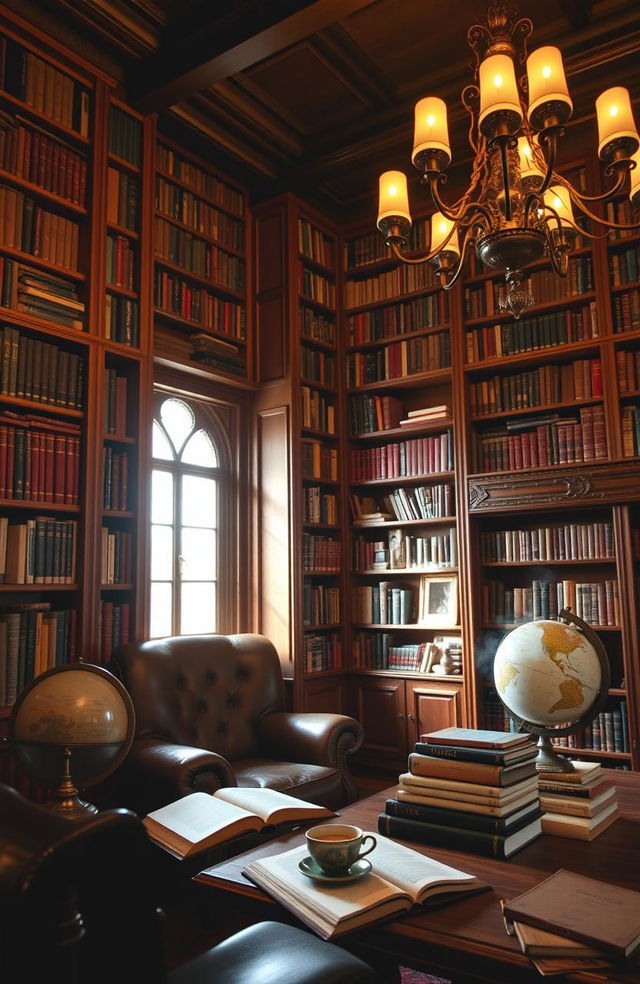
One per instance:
(616, 482)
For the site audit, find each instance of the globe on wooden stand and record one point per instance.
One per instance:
(553, 678)
(75, 719)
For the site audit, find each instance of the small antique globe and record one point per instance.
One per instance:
(76, 720)
(553, 678)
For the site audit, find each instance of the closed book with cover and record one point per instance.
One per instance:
(475, 738)
(598, 913)
(580, 828)
(488, 823)
(574, 806)
(588, 791)
(462, 839)
(476, 772)
(488, 756)
(452, 788)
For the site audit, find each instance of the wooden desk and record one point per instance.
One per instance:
(465, 941)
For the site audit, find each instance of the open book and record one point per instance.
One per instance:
(200, 821)
(399, 880)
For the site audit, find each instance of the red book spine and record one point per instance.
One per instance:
(69, 469)
(3, 460)
(59, 467)
(48, 440)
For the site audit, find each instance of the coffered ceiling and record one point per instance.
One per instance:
(317, 95)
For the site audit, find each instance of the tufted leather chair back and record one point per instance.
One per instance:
(207, 691)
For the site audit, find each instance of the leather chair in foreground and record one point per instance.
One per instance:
(210, 713)
(77, 905)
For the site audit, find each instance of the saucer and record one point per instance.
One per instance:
(357, 870)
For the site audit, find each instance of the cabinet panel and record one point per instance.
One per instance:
(381, 709)
(429, 709)
(325, 695)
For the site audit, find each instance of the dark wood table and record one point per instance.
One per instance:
(465, 941)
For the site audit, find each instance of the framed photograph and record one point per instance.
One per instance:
(439, 601)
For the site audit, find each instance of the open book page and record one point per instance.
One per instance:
(198, 817)
(328, 908)
(417, 875)
(271, 805)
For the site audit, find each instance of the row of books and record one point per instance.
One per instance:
(41, 550)
(33, 155)
(628, 370)
(115, 402)
(530, 334)
(384, 604)
(122, 199)
(624, 266)
(319, 366)
(608, 732)
(318, 461)
(32, 369)
(197, 256)
(399, 459)
(125, 136)
(620, 212)
(626, 311)
(483, 300)
(120, 262)
(41, 295)
(390, 284)
(399, 359)
(571, 541)
(318, 506)
(33, 638)
(371, 413)
(405, 504)
(26, 226)
(595, 602)
(316, 327)
(176, 203)
(318, 411)
(175, 165)
(313, 285)
(121, 320)
(320, 554)
(114, 628)
(362, 250)
(543, 442)
(115, 479)
(314, 244)
(39, 459)
(175, 296)
(631, 431)
(43, 87)
(321, 652)
(403, 552)
(419, 314)
(116, 556)
(473, 790)
(320, 604)
(579, 380)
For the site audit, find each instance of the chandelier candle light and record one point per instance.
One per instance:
(516, 209)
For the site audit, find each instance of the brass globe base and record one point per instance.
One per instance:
(549, 760)
(65, 802)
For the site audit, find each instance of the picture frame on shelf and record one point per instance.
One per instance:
(438, 601)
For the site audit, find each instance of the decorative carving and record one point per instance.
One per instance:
(477, 495)
(577, 485)
(618, 482)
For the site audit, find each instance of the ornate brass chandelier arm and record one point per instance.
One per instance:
(396, 249)
(434, 180)
(613, 190)
(442, 274)
(551, 139)
(599, 221)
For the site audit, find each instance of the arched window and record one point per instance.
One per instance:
(188, 493)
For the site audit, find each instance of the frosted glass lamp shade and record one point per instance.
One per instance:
(548, 92)
(440, 229)
(616, 127)
(431, 133)
(499, 101)
(393, 203)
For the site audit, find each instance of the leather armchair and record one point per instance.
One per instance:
(210, 713)
(78, 904)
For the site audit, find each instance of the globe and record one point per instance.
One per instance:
(76, 719)
(552, 677)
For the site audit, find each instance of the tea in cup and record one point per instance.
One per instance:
(335, 847)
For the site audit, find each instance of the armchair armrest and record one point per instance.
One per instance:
(155, 773)
(316, 739)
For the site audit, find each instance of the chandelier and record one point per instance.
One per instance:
(516, 209)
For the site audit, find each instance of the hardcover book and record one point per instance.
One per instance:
(475, 738)
(475, 772)
(200, 820)
(594, 912)
(491, 845)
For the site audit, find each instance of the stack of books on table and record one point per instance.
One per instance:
(468, 789)
(580, 804)
(425, 415)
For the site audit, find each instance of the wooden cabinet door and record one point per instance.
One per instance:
(325, 694)
(381, 709)
(430, 708)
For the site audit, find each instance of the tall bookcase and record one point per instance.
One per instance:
(405, 638)
(202, 249)
(299, 519)
(74, 301)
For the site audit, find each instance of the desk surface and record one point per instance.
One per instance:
(466, 940)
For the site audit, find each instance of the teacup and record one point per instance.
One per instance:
(335, 847)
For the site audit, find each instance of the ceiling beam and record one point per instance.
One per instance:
(247, 34)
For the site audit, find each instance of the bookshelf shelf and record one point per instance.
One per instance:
(193, 231)
(123, 164)
(212, 285)
(37, 261)
(62, 203)
(122, 230)
(56, 126)
(404, 479)
(197, 191)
